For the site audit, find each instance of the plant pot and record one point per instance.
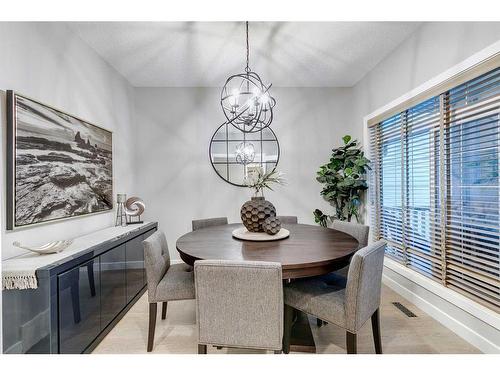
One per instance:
(254, 212)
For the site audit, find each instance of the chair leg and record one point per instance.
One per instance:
(152, 325)
(377, 339)
(202, 349)
(164, 310)
(287, 329)
(351, 343)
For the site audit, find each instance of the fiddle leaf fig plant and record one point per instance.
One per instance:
(344, 181)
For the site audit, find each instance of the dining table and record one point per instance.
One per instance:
(309, 250)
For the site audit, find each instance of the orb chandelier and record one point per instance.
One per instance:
(246, 100)
(245, 153)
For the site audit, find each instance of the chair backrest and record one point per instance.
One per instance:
(239, 304)
(156, 260)
(203, 223)
(364, 283)
(358, 231)
(288, 219)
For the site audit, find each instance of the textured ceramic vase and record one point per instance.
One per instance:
(255, 211)
(271, 225)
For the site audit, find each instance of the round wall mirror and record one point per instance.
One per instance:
(234, 154)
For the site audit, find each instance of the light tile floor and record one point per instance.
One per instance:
(177, 334)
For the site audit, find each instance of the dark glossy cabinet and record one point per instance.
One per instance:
(113, 283)
(134, 267)
(78, 299)
(79, 306)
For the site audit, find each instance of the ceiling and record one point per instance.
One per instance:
(203, 54)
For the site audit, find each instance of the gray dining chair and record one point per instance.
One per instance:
(349, 303)
(204, 223)
(239, 304)
(359, 231)
(166, 282)
(288, 219)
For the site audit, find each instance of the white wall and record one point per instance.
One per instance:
(46, 61)
(432, 49)
(174, 174)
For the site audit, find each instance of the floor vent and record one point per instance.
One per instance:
(404, 310)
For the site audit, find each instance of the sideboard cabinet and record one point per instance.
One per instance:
(78, 300)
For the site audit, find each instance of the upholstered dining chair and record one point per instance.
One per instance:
(204, 223)
(166, 282)
(239, 304)
(288, 219)
(359, 231)
(349, 303)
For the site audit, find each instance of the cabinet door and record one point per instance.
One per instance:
(135, 267)
(113, 284)
(79, 307)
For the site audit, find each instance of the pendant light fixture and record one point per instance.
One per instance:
(245, 153)
(246, 100)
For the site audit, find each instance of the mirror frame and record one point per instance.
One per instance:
(260, 131)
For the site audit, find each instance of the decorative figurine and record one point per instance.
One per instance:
(134, 208)
(121, 216)
(48, 248)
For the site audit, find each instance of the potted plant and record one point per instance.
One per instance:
(257, 209)
(344, 181)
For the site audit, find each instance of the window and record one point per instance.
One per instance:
(435, 188)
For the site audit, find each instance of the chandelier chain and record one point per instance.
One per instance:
(247, 69)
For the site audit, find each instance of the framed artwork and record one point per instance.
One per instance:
(58, 166)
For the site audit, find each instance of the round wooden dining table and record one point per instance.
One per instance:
(310, 250)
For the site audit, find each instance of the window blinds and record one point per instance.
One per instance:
(435, 188)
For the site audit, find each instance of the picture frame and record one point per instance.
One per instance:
(59, 166)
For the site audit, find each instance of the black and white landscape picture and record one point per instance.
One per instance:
(63, 165)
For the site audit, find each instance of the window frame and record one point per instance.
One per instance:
(374, 136)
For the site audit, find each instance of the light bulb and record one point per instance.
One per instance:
(245, 153)
(264, 99)
(233, 98)
(253, 100)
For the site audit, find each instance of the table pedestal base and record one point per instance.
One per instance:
(302, 339)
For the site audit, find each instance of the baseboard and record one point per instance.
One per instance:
(16, 348)
(474, 323)
(35, 329)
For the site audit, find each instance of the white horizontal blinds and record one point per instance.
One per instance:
(373, 186)
(472, 131)
(390, 185)
(422, 232)
(435, 187)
